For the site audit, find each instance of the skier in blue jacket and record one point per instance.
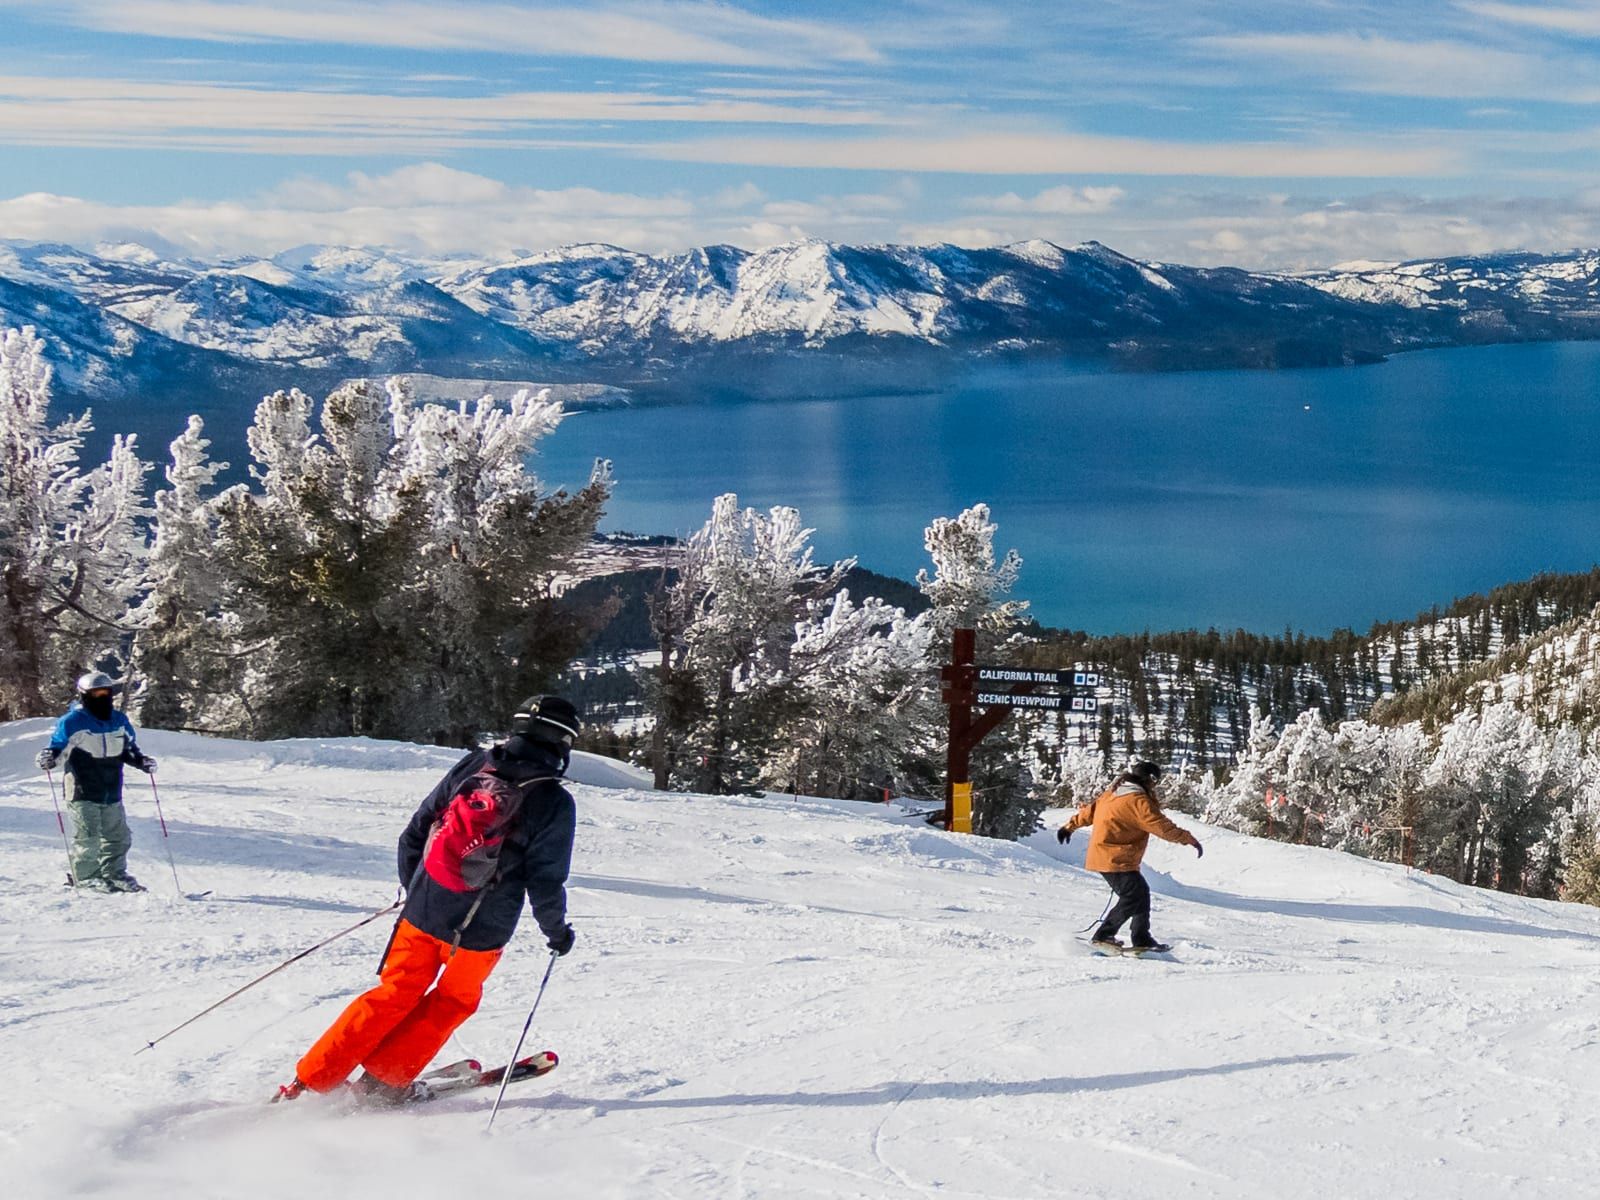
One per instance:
(96, 739)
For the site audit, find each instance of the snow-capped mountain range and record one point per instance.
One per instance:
(125, 321)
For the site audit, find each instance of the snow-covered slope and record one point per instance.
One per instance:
(781, 998)
(1553, 284)
(1553, 675)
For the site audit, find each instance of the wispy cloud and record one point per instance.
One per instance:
(1579, 22)
(1006, 153)
(1441, 69)
(662, 32)
(39, 110)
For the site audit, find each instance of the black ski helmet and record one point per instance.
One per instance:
(551, 719)
(1145, 772)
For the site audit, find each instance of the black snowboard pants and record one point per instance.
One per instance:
(1133, 904)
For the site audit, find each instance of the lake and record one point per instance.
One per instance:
(1238, 499)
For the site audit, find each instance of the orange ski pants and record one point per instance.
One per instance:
(395, 1029)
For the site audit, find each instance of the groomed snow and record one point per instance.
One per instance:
(774, 998)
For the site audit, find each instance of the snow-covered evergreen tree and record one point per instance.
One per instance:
(392, 574)
(71, 543)
(1084, 775)
(746, 580)
(1188, 788)
(1241, 803)
(1310, 769)
(1495, 785)
(968, 586)
(180, 649)
(864, 707)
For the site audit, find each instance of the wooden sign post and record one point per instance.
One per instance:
(961, 693)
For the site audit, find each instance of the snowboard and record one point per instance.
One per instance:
(1160, 950)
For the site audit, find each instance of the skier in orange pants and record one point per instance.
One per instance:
(395, 1029)
(496, 829)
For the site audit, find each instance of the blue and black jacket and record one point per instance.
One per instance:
(534, 861)
(95, 750)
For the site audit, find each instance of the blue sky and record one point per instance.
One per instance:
(1258, 133)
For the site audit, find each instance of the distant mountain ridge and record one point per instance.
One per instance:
(812, 317)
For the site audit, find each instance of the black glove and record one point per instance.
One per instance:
(46, 760)
(1063, 835)
(1199, 850)
(146, 764)
(562, 940)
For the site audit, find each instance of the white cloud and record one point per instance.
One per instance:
(1055, 201)
(84, 111)
(688, 33)
(1583, 22)
(427, 209)
(1448, 70)
(431, 209)
(1002, 153)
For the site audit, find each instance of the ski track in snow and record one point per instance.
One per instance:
(775, 997)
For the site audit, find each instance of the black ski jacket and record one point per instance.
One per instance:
(535, 860)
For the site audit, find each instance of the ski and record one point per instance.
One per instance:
(462, 1076)
(433, 1087)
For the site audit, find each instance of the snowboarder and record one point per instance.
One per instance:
(497, 827)
(96, 740)
(1124, 817)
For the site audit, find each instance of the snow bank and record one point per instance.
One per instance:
(772, 997)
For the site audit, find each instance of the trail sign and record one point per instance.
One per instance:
(1028, 675)
(1026, 700)
(974, 713)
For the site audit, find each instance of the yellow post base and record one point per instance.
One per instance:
(960, 808)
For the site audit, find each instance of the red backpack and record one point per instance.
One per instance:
(463, 848)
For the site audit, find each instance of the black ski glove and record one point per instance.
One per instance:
(1063, 835)
(1199, 850)
(46, 760)
(146, 764)
(562, 941)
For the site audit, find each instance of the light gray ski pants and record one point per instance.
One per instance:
(100, 840)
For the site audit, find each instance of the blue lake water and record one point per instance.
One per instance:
(1240, 499)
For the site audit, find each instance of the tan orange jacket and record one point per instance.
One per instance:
(1123, 820)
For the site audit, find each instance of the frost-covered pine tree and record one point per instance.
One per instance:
(497, 544)
(1494, 786)
(968, 586)
(316, 560)
(1084, 775)
(864, 706)
(181, 644)
(1310, 768)
(728, 684)
(71, 543)
(1188, 788)
(392, 574)
(1241, 802)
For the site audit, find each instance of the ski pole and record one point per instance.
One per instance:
(526, 1025)
(367, 920)
(72, 870)
(166, 840)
